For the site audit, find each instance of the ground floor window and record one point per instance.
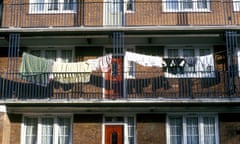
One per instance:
(47, 130)
(192, 129)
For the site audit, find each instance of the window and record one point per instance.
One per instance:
(131, 130)
(188, 61)
(236, 5)
(129, 66)
(186, 5)
(189, 55)
(60, 55)
(192, 129)
(47, 130)
(130, 5)
(52, 6)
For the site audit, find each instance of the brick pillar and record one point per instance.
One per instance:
(4, 126)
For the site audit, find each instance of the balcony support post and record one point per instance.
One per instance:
(232, 68)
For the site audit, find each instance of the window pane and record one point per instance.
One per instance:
(192, 130)
(202, 4)
(68, 5)
(187, 4)
(188, 54)
(31, 130)
(36, 53)
(204, 52)
(209, 130)
(51, 54)
(131, 130)
(173, 53)
(175, 125)
(130, 5)
(37, 5)
(171, 4)
(64, 130)
(52, 4)
(66, 55)
(47, 131)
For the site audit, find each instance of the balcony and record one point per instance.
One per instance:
(112, 14)
(145, 85)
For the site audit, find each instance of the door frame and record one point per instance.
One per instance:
(110, 125)
(124, 123)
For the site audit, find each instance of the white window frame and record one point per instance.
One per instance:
(39, 126)
(197, 74)
(133, 6)
(125, 126)
(129, 64)
(200, 117)
(45, 7)
(236, 5)
(57, 49)
(179, 6)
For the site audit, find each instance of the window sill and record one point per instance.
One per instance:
(53, 12)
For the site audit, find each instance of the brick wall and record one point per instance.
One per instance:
(15, 130)
(87, 129)
(151, 129)
(229, 127)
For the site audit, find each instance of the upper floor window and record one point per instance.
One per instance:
(47, 129)
(186, 5)
(60, 55)
(236, 5)
(52, 6)
(188, 62)
(192, 129)
(130, 5)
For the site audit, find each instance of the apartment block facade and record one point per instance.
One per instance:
(119, 72)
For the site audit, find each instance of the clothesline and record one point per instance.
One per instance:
(41, 70)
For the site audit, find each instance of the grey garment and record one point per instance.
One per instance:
(190, 61)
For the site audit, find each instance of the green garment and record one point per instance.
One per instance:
(35, 69)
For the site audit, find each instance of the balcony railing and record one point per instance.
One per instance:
(112, 14)
(144, 85)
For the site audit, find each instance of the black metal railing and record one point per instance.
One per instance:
(98, 86)
(136, 13)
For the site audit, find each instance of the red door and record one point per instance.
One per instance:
(113, 134)
(114, 83)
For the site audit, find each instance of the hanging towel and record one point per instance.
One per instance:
(35, 69)
(105, 62)
(144, 60)
(71, 72)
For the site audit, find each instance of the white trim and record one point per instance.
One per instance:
(200, 117)
(39, 126)
(124, 124)
(236, 5)
(45, 10)
(179, 9)
(3, 108)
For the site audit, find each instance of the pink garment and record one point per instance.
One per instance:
(105, 62)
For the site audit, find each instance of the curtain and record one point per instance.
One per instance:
(47, 131)
(31, 130)
(209, 130)
(131, 130)
(192, 130)
(63, 130)
(176, 130)
(37, 6)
